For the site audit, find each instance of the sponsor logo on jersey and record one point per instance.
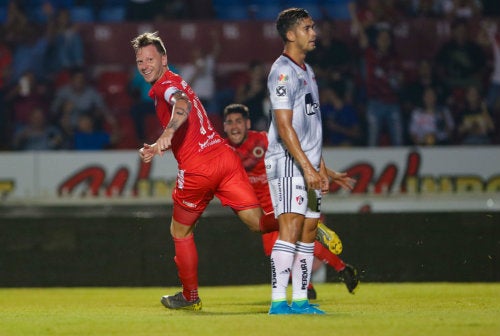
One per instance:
(282, 78)
(189, 204)
(209, 142)
(281, 91)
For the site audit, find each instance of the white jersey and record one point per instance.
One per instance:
(293, 88)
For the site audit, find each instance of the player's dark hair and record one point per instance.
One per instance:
(148, 38)
(289, 18)
(237, 108)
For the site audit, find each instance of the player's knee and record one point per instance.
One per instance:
(251, 217)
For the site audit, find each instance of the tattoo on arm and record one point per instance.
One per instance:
(173, 124)
(181, 111)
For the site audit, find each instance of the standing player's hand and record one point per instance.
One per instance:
(147, 152)
(313, 179)
(325, 182)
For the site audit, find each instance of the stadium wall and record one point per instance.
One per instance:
(102, 218)
(131, 246)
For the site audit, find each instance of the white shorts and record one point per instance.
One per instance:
(290, 195)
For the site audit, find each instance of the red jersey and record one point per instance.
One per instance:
(251, 153)
(196, 141)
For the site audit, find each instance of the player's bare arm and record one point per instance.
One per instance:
(289, 136)
(180, 113)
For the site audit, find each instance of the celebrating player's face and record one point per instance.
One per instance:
(150, 63)
(236, 128)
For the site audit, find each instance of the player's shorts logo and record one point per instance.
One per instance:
(299, 200)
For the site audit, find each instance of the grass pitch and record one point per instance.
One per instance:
(376, 309)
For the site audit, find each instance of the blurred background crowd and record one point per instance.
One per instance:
(51, 100)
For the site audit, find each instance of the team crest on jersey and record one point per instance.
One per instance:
(281, 91)
(282, 78)
(299, 200)
(258, 152)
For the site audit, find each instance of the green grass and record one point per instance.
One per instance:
(376, 309)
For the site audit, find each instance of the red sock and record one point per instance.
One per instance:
(327, 256)
(186, 259)
(268, 240)
(268, 223)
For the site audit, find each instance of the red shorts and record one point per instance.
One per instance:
(222, 176)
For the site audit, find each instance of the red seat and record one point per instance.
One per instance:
(128, 138)
(113, 85)
(113, 82)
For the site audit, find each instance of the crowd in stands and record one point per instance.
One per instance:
(49, 99)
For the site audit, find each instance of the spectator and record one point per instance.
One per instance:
(25, 96)
(65, 125)
(461, 9)
(425, 9)
(87, 137)
(16, 26)
(383, 80)
(340, 121)
(37, 134)
(476, 123)
(142, 104)
(332, 60)
(65, 47)
(493, 40)
(29, 54)
(460, 61)
(84, 99)
(412, 92)
(253, 93)
(431, 124)
(200, 72)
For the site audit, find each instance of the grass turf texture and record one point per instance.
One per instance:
(376, 309)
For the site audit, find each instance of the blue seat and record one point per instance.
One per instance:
(337, 9)
(267, 11)
(63, 3)
(232, 12)
(312, 6)
(3, 14)
(112, 14)
(81, 14)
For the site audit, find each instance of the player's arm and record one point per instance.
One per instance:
(181, 106)
(283, 118)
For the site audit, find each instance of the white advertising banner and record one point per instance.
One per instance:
(387, 179)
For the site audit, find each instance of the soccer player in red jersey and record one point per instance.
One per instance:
(207, 165)
(251, 147)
